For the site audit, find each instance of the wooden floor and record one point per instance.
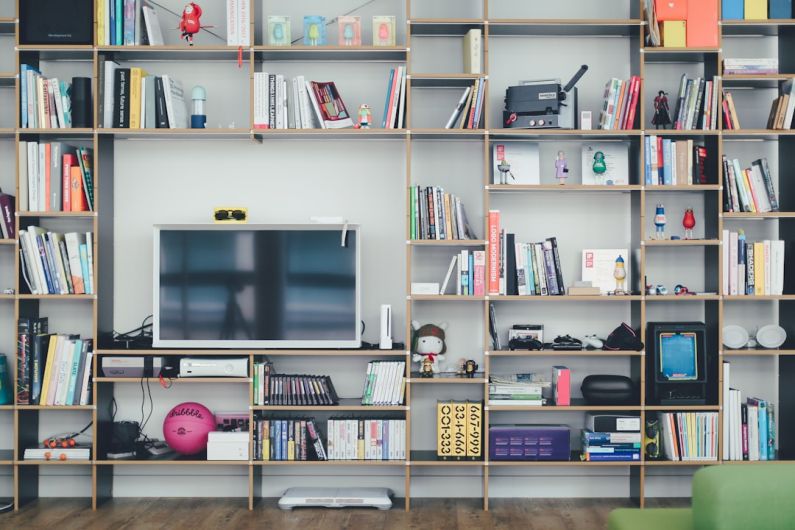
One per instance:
(195, 514)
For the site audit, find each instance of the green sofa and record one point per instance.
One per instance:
(725, 497)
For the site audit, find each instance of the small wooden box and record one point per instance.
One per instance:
(674, 33)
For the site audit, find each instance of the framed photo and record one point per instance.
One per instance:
(315, 30)
(350, 31)
(383, 30)
(279, 31)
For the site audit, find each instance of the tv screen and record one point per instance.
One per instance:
(256, 286)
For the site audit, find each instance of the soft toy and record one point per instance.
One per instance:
(427, 342)
(190, 23)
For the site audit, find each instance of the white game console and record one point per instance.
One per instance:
(211, 367)
(227, 445)
(131, 366)
(336, 498)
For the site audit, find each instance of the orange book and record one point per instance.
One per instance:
(621, 97)
(494, 252)
(702, 24)
(76, 194)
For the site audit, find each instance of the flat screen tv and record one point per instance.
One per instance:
(257, 286)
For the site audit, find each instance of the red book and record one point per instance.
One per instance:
(494, 252)
(69, 161)
(660, 159)
(390, 118)
(727, 121)
(629, 123)
(702, 24)
(561, 384)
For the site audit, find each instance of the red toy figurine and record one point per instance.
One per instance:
(190, 24)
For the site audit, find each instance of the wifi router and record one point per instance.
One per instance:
(336, 498)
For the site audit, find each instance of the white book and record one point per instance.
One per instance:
(538, 254)
(73, 242)
(55, 86)
(777, 263)
(41, 178)
(86, 375)
(767, 267)
(453, 262)
(64, 369)
(22, 158)
(399, 386)
(753, 432)
(36, 258)
(244, 22)
(232, 23)
(280, 102)
(521, 278)
(401, 71)
(733, 263)
(60, 272)
(30, 275)
(306, 107)
(738, 428)
(380, 374)
(788, 87)
(285, 107)
(727, 420)
(139, 23)
(402, 102)
(725, 263)
(153, 32)
(760, 190)
(296, 110)
(33, 179)
(259, 119)
(142, 109)
(90, 255)
(175, 103)
(107, 93)
(389, 390)
(458, 109)
(472, 51)
(315, 105)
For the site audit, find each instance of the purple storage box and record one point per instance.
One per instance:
(529, 442)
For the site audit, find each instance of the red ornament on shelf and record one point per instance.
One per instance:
(689, 221)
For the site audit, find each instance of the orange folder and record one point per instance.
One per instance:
(702, 24)
(672, 9)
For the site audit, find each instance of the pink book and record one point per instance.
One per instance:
(390, 115)
(480, 272)
(494, 252)
(633, 103)
(561, 383)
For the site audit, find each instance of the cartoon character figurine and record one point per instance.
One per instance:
(428, 344)
(505, 171)
(348, 34)
(190, 23)
(383, 32)
(661, 118)
(561, 168)
(278, 32)
(620, 274)
(599, 165)
(365, 117)
(470, 367)
(314, 34)
(659, 222)
(689, 221)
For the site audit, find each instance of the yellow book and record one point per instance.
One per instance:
(100, 40)
(360, 441)
(474, 429)
(444, 429)
(674, 34)
(45, 381)
(459, 429)
(290, 450)
(136, 77)
(755, 9)
(759, 268)
(748, 188)
(692, 435)
(266, 440)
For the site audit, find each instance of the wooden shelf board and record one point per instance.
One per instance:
(675, 132)
(683, 187)
(53, 462)
(564, 353)
(680, 242)
(447, 242)
(755, 80)
(681, 297)
(6, 132)
(55, 407)
(683, 408)
(327, 463)
(770, 134)
(179, 134)
(758, 298)
(8, 241)
(8, 297)
(430, 80)
(332, 53)
(681, 463)
(419, 457)
(58, 132)
(766, 27)
(516, 188)
(174, 52)
(756, 462)
(57, 296)
(299, 134)
(445, 298)
(755, 352)
(448, 380)
(345, 404)
(447, 134)
(567, 298)
(172, 461)
(52, 215)
(679, 55)
(6, 407)
(207, 380)
(563, 408)
(751, 216)
(552, 463)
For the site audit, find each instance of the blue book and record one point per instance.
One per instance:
(529, 272)
(385, 443)
(277, 440)
(283, 445)
(734, 9)
(23, 95)
(763, 430)
(780, 8)
(647, 160)
(129, 22)
(388, 93)
(44, 265)
(78, 349)
(668, 176)
(119, 26)
(625, 457)
(471, 284)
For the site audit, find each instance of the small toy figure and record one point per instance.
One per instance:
(347, 34)
(689, 221)
(561, 168)
(599, 165)
(661, 118)
(661, 290)
(365, 117)
(620, 274)
(681, 289)
(470, 367)
(428, 343)
(505, 171)
(659, 222)
(314, 30)
(278, 32)
(190, 23)
(426, 368)
(198, 118)
(314, 34)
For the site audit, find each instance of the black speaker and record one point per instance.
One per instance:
(81, 102)
(56, 22)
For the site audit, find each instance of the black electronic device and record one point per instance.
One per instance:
(543, 104)
(81, 102)
(525, 343)
(566, 343)
(66, 22)
(681, 366)
(125, 433)
(599, 389)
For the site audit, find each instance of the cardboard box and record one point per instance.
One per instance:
(674, 33)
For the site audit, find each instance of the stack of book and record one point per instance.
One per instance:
(280, 103)
(673, 162)
(438, 215)
(52, 369)
(749, 429)
(134, 22)
(385, 383)
(528, 269)
(44, 103)
(54, 263)
(750, 189)
(271, 388)
(689, 436)
(366, 439)
(55, 177)
(470, 267)
(610, 446)
(755, 66)
(8, 222)
(783, 108)
(620, 104)
(58, 453)
(395, 100)
(131, 98)
(731, 120)
(459, 430)
(287, 439)
(752, 268)
(468, 113)
(517, 389)
(696, 104)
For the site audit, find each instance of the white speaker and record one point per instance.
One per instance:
(386, 327)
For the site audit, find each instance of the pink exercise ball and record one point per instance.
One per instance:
(186, 427)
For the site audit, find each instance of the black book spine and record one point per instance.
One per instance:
(727, 201)
(23, 361)
(161, 115)
(38, 360)
(558, 268)
(511, 287)
(121, 92)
